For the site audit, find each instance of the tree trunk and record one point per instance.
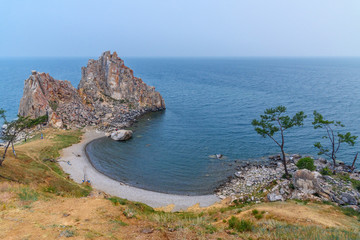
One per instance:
(334, 162)
(12, 145)
(3, 158)
(353, 164)
(284, 162)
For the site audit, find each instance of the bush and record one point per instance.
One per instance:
(326, 171)
(240, 225)
(306, 163)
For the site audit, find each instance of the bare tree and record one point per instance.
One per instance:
(334, 136)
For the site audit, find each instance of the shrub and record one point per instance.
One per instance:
(257, 214)
(306, 163)
(210, 229)
(355, 184)
(255, 211)
(326, 171)
(240, 225)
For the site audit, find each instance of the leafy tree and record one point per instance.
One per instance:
(274, 120)
(334, 136)
(15, 127)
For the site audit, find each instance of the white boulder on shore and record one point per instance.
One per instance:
(121, 135)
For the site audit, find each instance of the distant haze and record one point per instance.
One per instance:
(180, 28)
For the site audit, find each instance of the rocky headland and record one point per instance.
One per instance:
(109, 96)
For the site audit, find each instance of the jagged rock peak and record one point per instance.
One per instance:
(108, 96)
(108, 77)
(45, 95)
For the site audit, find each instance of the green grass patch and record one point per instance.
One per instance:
(27, 194)
(326, 171)
(61, 141)
(240, 225)
(272, 229)
(355, 184)
(118, 201)
(210, 228)
(119, 222)
(258, 215)
(351, 212)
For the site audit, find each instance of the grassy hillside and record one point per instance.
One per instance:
(39, 201)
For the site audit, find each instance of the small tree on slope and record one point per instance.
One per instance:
(15, 127)
(335, 138)
(274, 120)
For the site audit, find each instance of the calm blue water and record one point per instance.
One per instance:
(210, 104)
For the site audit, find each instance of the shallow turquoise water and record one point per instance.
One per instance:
(210, 105)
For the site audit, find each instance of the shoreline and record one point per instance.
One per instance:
(81, 166)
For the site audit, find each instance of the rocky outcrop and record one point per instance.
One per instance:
(108, 96)
(108, 78)
(59, 99)
(264, 182)
(121, 135)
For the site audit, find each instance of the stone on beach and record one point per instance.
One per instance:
(121, 135)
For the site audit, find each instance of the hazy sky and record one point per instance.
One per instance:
(164, 28)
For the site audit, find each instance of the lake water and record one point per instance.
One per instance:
(210, 105)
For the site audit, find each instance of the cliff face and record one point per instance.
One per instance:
(108, 77)
(108, 96)
(45, 95)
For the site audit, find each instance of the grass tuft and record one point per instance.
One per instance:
(240, 225)
(27, 194)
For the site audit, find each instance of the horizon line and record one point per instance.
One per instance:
(245, 56)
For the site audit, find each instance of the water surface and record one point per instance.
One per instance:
(210, 105)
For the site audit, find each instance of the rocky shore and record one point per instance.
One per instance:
(265, 182)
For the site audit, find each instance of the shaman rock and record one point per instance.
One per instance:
(59, 99)
(108, 96)
(109, 79)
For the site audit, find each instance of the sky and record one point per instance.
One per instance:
(180, 28)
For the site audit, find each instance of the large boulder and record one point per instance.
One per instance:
(307, 181)
(272, 197)
(348, 198)
(121, 135)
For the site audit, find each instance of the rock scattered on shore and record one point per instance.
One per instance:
(265, 182)
(121, 135)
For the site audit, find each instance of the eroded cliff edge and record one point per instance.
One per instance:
(108, 96)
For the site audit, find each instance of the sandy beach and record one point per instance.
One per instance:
(74, 162)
